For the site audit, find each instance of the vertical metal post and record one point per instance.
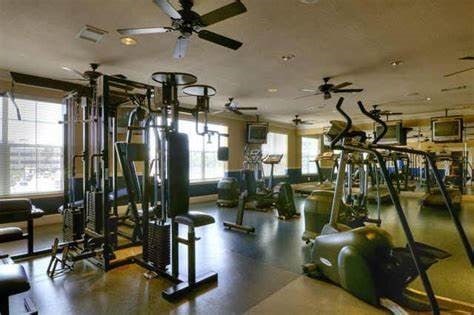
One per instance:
(191, 256)
(103, 87)
(174, 249)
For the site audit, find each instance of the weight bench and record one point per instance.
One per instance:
(13, 280)
(17, 210)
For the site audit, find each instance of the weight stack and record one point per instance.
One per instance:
(158, 252)
(94, 211)
(73, 226)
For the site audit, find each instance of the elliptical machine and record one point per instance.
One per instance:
(363, 260)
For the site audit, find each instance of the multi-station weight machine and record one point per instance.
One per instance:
(91, 228)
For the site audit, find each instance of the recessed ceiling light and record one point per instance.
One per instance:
(128, 41)
(272, 90)
(288, 57)
(396, 63)
(428, 98)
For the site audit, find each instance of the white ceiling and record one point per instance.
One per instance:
(350, 40)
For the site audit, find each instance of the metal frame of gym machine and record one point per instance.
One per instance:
(373, 149)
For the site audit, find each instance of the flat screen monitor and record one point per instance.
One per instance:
(447, 129)
(257, 133)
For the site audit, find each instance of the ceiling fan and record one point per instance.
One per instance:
(11, 96)
(379, 113)
(233, 107)
(461, 71)
(327, 88)
(298, 121)
(187, 22)
(90, 75)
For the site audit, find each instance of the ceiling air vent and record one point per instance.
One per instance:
(91, 33)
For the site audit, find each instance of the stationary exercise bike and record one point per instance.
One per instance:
(364, 260)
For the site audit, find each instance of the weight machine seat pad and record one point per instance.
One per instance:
(13, 280)
(10, 234)
(194, 219)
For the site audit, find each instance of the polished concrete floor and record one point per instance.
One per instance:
(253, 270)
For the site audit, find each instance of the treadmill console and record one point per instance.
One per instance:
(272, 159)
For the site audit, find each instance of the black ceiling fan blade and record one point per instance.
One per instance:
(347, 90)
(181, 47)
(168, 9)
(228, 11)
(303, 96)
(219, 39)
(341, 85)
(457, 72)
(144, 30)
(246, 108)
(235, 111)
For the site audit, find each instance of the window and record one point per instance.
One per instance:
(31, 151)
(277, 143)
(203, 163)
(309, 151)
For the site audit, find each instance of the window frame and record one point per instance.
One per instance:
(6, 148)
(318, 151)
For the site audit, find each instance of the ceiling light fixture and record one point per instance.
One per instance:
(272, 90)
(428, 98)
(128, 41)
(307, 90)
(396, 63)
(288, 57)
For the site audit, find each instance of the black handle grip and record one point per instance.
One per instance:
(348, 123)
(376, 119)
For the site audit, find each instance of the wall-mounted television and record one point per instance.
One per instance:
(446, 129)
(395, 134)
(257, 133)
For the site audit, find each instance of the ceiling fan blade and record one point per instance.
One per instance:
(144, 30)
(347, 90)
(79, 73)
(218, 112)
(342, 85)
(223, 13)
(120, 76)
(168, 9)
(303, 96)
(235, 111)
(246, 108)
(457, 72)
(219, 39)
(461, 87)
(181, 47)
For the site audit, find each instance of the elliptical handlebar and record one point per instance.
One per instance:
(376, 119)
(348, 123)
